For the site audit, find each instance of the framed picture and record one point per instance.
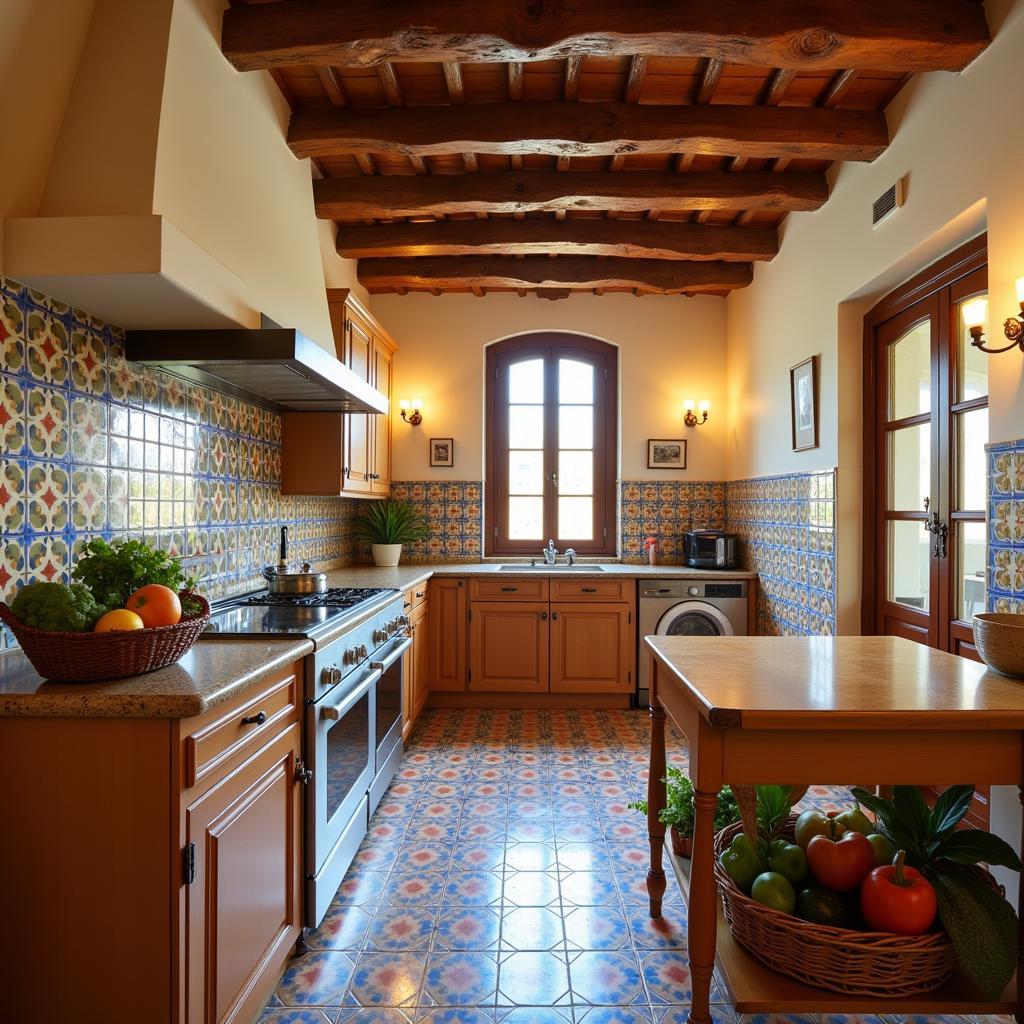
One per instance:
(442, 451)
(803, 396)
(662, 454)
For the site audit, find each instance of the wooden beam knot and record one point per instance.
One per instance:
(816, 42)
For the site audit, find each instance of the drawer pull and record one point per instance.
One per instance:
(589, 590)
(509, 590)
(420, 593)
(554, 615)
(258, 719)
(407, 604)
(543, 616)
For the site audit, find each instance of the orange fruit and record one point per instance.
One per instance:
(156, 605)
(119, 619)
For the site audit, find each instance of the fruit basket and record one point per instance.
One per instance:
(88, 657)
(839, 959)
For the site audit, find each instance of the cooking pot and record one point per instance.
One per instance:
(281, 579)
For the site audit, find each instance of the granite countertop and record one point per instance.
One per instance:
(212, 672)
(404, 576)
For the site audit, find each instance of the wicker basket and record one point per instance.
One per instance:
(840, 959)
(87, 657)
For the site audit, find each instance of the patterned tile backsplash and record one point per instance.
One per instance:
(666, 511)
(786, 530)
(454, 511)
(1006, 526)
(91, 444)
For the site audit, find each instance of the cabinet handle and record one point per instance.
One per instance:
(420, 593)
(554, 615)
(258, 719)
(407, 604)
(302, 773)
(509, 590)
(589, 590)
(543, 616)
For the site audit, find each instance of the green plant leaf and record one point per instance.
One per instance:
(773, 807)
(912, 809)
(389, 522)
(891, 824)
(981, 924)
(950, 809)
(971, 845)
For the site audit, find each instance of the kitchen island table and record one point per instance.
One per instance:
(787, 710)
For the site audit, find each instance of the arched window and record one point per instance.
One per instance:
(551, 444)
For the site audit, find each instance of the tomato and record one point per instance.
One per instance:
(773, 890)
(899, 899)
(840, 864)
(156, 605)
(885, 849)
(855, 820)
(813, 823)
(119, 619)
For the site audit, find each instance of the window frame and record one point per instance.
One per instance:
(551, 346)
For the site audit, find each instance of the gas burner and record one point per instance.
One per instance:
(334, 597)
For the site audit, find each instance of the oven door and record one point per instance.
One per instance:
(340, 729)
(389, 698)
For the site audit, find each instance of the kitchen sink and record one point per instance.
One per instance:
(560, 567)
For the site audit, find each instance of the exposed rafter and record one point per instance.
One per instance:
(545, 237)
(590, 129)
(509, 192)
(908, 35)
(576, 272)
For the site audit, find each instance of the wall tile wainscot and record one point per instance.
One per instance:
(1006, 526)
(93, 445)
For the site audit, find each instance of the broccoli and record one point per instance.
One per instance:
(56, 606)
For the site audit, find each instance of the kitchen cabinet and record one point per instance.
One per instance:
(332, 453)
(415, 665)
(448, 636)
(171, 850)
(591, 648)
(508, 646)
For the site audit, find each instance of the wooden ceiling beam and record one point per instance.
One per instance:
(562, 128)
(544, 237)
(355, 198)
(576, 272)
(905, 35)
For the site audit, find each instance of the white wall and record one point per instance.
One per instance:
(670, 349)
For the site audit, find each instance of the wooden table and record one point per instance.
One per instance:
(836, 710)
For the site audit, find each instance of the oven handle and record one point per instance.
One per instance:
(396, 653)
(337, 711)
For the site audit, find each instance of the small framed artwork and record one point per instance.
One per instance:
(803, 395)
(662, 454)
(442, 451)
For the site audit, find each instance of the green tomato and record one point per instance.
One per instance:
(855, 820)
(885, 849)
(815, 823)
(741, 862)
(774, 890)
(788, 860)
(821, 906)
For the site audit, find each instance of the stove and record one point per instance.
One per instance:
(353, 692)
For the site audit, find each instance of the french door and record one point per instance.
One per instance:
(928, 432)
(926, 425)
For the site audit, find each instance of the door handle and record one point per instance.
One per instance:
(554, 615)
(543, 616)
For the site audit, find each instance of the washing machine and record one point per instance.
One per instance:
(694, 606)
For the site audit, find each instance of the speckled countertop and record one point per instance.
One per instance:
(212, 672)
(219, 667)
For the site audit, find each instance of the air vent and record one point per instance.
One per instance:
(887, 203)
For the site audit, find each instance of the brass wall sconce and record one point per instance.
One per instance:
(690, 419)
(411, 411)
(975, 313)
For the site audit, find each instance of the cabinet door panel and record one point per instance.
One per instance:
(357, 428)
(243, 905)
(591, 648)
(420, 649)
(380, 462)
(508, 647)
(447, 658)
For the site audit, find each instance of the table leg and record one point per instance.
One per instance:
(655, 805)
(702, 906)
(1019, 1011)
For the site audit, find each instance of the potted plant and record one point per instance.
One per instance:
(678, 812)
(386, 526)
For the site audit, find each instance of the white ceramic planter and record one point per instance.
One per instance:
(386, 554)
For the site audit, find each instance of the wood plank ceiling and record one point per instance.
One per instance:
(541, 146)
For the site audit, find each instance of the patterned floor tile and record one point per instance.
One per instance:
(343, 927)
(665, 932)
(531, 857)
(400, 929)
(315, 979)
(609, 979)
(309, 1015)
(596, 928)
(533, 978)
(473, 929)
(461, 979)
(387, 979)
(588, 888)
(531, 888)
(531, 928)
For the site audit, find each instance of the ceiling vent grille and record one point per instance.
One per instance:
(887, 203)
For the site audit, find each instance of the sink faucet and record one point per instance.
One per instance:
(550, 553)
(570, 556)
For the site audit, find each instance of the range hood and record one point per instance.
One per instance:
(276, 367)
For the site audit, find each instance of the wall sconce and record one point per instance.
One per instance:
(975, 313)
(690, 419)
(411, 411)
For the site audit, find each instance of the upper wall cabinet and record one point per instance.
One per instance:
(344, 453)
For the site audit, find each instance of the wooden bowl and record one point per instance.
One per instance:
(999, 637)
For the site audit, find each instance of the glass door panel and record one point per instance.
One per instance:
(971, 549)
(575, 474)
(526, 449)
(910, 374)
(972, 436)
(972, 363)
(909, 564)
(910, 468)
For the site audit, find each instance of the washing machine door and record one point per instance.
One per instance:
(694, 618)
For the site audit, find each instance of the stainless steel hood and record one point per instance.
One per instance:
(276, 367)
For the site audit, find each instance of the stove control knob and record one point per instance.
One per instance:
(380, 635)
(349, 657)
(403, 622)
(330, 675)
(693, 591)
(362, 652)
